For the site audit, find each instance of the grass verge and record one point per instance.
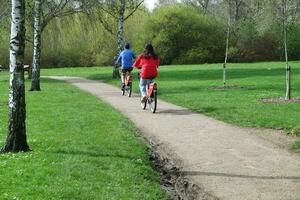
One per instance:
(82, 149)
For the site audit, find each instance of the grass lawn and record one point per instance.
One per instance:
(192, 86)
(82, 149)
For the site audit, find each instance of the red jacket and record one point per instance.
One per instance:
(148, 65)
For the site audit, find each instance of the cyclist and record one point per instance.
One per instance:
(126, 58)
(148, 62)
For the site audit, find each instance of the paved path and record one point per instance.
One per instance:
(228, 162)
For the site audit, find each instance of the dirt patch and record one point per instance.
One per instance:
(229, 87)
(280, 100)
(173, 179)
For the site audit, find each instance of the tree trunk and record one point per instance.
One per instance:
(120, 33)
(121, 25)
(35, 84)
(226, 52)
(287, 68)
(16, 139)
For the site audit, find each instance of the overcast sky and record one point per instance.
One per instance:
(150, 3)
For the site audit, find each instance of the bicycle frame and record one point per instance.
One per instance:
(128, 79)
(152, 87)
(128, 85)
(152, 97)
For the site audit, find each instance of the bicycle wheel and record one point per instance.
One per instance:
(153, 102)
(122, 90)
(129, 89)
(143, 105)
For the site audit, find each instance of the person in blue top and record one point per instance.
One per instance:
(126, 58)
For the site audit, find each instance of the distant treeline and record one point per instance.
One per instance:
(181, 34)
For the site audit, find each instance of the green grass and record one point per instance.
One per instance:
(82, 149)
(296, 146)
(192, 86)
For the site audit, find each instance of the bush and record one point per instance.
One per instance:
(182, 34)
(294, 41)
(252, 45)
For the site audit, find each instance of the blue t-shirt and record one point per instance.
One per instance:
(126, 58)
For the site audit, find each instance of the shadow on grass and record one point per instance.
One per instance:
(93, 154)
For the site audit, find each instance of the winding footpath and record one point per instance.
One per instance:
(226, 162)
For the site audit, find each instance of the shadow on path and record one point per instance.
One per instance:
(176, 112)
(198, 173)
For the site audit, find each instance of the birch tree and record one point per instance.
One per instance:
(35, 85)
(226, 51)
(285, 34)
(44, 12)
(120, 11)
(287, 12)
(16, 140)
(234, 8)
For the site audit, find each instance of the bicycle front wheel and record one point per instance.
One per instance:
(153, 102)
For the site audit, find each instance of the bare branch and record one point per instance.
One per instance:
(134, 10)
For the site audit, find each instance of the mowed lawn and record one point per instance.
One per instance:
(81, 149)
(193, 87)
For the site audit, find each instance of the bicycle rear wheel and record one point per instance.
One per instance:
(144, 105)
(123, 89)
(129, 89)
(152, 101)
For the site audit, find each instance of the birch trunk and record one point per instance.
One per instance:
(121, 25)
(35, 84)
(287, 66)
(16, 139)
(120, 33)
(226, 53)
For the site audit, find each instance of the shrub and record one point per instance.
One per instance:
(182, 34)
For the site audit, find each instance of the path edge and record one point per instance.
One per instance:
(172, 179)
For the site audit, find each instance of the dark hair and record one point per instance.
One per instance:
(127, 45)
(149, 52)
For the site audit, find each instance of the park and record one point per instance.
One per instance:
(226, 123)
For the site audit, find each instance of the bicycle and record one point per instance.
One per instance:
(127, 90)
(152, 97)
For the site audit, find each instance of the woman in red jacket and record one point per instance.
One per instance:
(148, 62)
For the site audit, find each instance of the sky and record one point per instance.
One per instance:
(150, 4)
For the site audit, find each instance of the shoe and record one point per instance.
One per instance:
(144, 99)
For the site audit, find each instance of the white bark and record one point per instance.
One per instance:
(288, 68)
(120, 33)
(121, 25)
(35, 86)
(226, 56)
(16, 140)
(226, 50)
